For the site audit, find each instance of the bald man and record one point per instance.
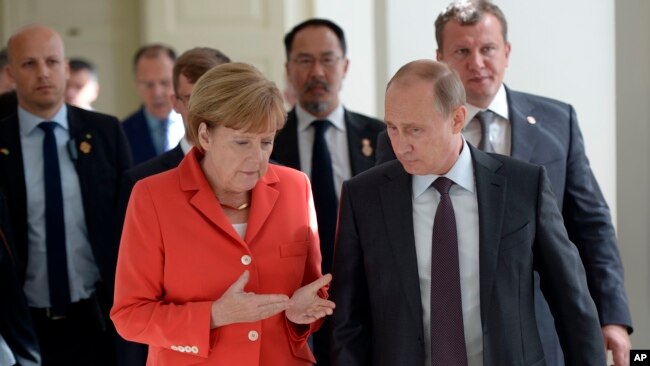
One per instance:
(60, 169)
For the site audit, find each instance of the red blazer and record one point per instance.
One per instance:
(179, 253)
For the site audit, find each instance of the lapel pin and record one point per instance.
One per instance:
(88, 136)
(531, 120)
(4, 151)
(85, 147)
(366, 148)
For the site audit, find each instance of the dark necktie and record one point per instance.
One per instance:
(447, 332)
(322, 182)
(57, 267)
(164, 131)
(485, 118)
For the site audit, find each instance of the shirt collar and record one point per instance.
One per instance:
(462, 173)
(185, 145)
(29, 121)
(499, 105)
(337, 118)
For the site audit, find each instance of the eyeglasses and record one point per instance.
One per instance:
(307, 62)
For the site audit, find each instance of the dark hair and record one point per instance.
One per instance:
(79, 64)
(153, 51)
(469, 12)
(195, 62)
(4, 58)
(314, 22)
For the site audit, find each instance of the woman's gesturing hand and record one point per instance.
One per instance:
(238, 306)
(306, 307)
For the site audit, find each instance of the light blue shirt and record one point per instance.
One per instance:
(83, 272)
(465, 203)
(175, 131)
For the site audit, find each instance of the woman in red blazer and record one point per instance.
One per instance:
(219, 261)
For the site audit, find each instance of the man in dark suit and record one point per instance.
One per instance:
(189, 67)
(60, 168)
(18, 343)
(154, 128)
(472, 39)
(435, 252)
(321, 137)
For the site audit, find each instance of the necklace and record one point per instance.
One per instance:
(243, 206)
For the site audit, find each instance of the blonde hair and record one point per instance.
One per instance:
(238, 96)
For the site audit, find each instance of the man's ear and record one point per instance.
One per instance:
(459, 115)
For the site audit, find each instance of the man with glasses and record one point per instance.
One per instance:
(322, 138)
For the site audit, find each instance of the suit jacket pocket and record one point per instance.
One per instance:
(515, 238)
(294, 249)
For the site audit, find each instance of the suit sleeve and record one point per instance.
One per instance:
(563, 282)
(140, 314)
(351, 335)
(589, 224)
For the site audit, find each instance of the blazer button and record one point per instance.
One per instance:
(246, 260)
(174, 348)
(195, 349)
(187, 349)
(253, 335)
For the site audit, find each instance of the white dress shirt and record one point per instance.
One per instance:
(500, 130)
(337, 143)
(464, 201)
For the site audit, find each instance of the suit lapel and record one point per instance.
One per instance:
(491, 196)
(203, 199)
(285, 150)
(357, 140)
(396, 197)
(524, 134)
(264, 197)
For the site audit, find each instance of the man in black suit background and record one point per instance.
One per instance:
(322, 138)
(60, 168)
(188, 68)
(472, 39)
(435, 251)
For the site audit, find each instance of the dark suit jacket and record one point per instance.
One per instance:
(556, 143)
(139, 136)
(358, 127)
(159, 164)
(378, 317)
(15, 321)
(99, 169)
(8, 104)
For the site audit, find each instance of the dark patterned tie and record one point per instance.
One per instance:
(447, 332)
(322, 181)
(57, 266)
(485, 118)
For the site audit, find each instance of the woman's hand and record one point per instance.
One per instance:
(306, 307)
(237, 306)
